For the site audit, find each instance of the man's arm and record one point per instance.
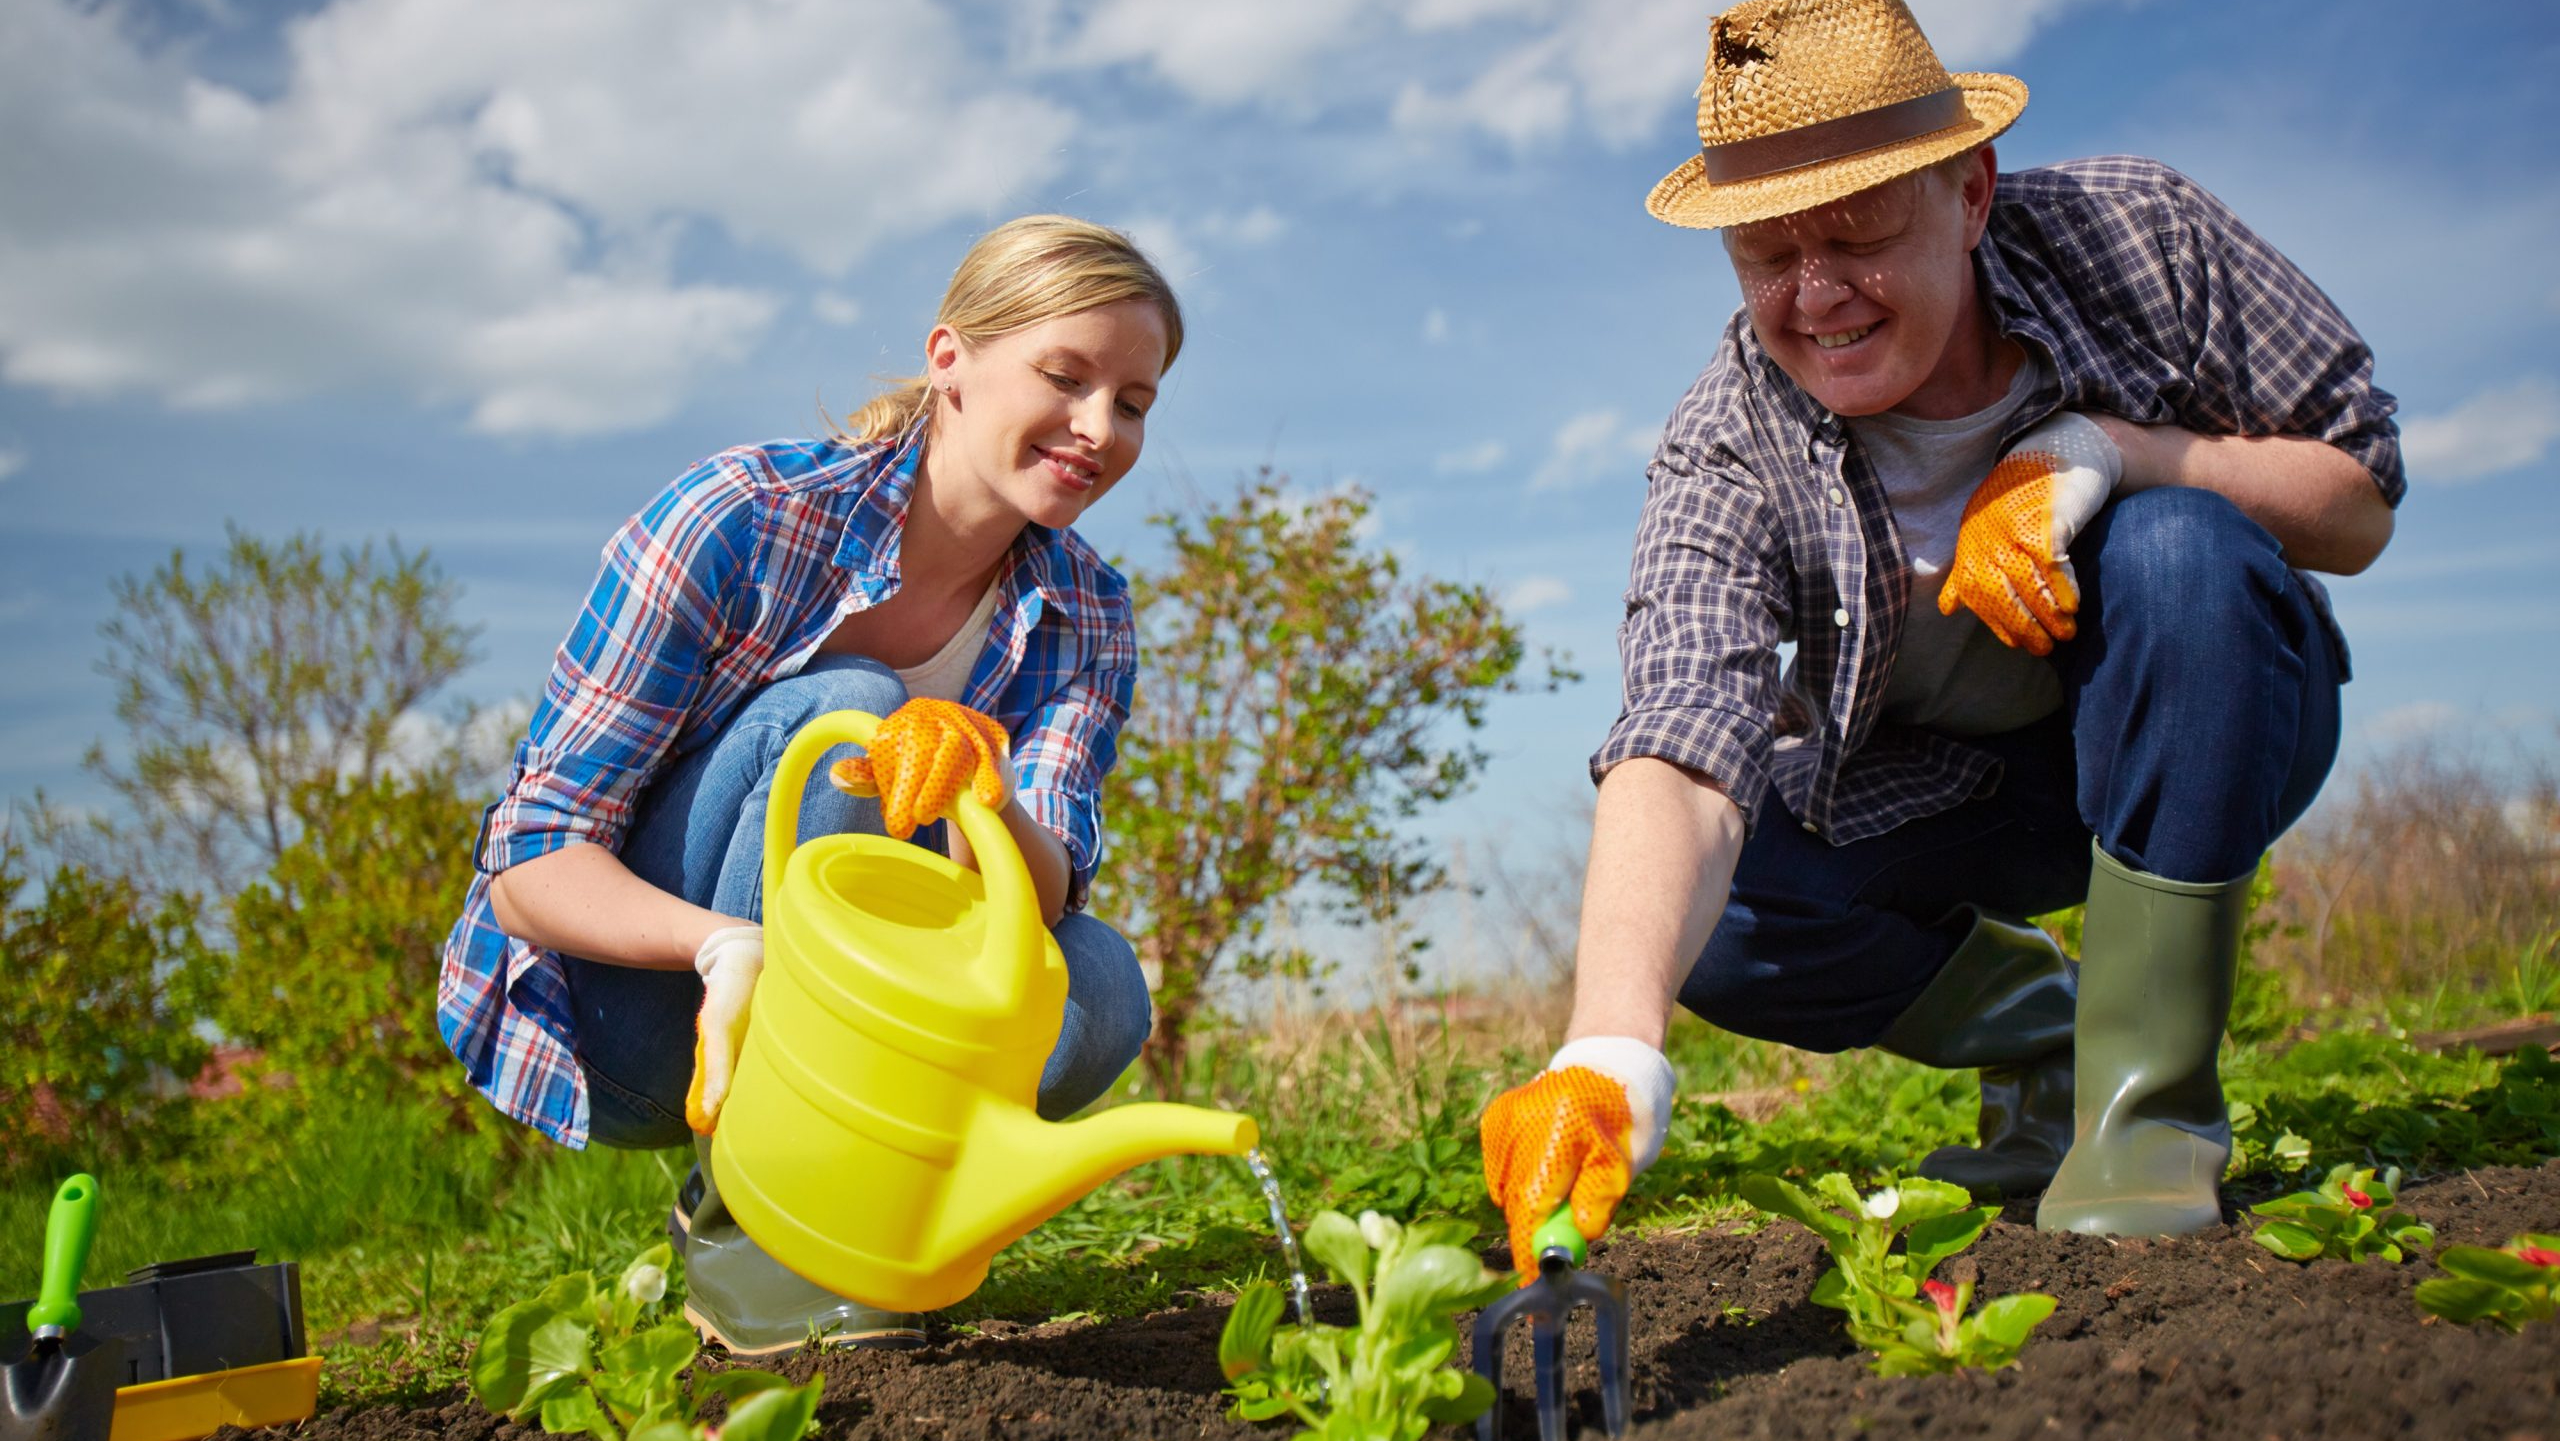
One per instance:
(2319, 502)
(1664, 842)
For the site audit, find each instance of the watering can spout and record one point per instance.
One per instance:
(996, 1197)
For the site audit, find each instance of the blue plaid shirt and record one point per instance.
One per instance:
(1763, 521)
(728, 581)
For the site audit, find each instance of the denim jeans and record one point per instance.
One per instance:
(2200, 715)
(698, 831)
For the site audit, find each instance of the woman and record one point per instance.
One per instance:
(918, 562)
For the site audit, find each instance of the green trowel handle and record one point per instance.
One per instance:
(67, 1233)
(1559, 1232)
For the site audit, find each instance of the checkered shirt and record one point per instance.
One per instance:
(729, 580)
(1764, 523)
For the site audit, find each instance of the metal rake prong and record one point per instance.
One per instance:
(1548, 1301)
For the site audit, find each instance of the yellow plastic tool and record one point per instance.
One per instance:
(183, 1408)
(879, 1137)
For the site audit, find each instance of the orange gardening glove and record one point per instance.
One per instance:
(2012, 564)
(921, 756)
(730, 963)
(1582, 1130)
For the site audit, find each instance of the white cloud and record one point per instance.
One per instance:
(470, 201)
(12, 460)
(1222, 54)
(1474, 460)
(1970, 34)
(1161, 237)
(1536, 593)
(2412, 721)
(1435, 326)
(1258, 226)
(2494, 431)
(1590, 446)
(835, 308)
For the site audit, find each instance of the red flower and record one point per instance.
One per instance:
(1942, 1294)
(2357, 1199)
(2530, 1255)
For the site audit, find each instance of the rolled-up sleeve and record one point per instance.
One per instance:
(1070, 741)
(625, 680)
(1706, 606)
(2269, 352)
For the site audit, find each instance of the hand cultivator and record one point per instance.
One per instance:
(1560, 1287)
(65, 1387)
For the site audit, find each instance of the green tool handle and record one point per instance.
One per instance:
(1559, 1231)
(67, 1232)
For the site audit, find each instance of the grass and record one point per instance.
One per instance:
(409, 1239)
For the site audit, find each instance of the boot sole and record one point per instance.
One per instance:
(884, 1338)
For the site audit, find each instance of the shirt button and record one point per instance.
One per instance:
(1811, 829)
(1839, 496)
(1840, 618)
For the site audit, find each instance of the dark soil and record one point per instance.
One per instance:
(2207, 1336)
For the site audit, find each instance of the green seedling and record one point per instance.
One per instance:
(602, 1361)
(2350, 1217)
(2509, 1285)
(1387, 1378)
(1915, 1325)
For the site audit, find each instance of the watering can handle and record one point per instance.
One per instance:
(1013, 950)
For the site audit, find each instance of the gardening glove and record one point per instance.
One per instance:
(729, 962)
(2012, 564)
(922, 754)
(1584, 1128)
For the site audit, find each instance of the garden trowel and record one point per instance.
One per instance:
(1561, 1285)
(65, 1388)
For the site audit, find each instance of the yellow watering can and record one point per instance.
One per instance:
(879, 1136)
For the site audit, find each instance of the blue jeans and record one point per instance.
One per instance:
(2200, 715)
(699, 832)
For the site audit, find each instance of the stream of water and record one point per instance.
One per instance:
(1288, 1239)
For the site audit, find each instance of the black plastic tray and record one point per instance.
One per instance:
(188, 1318)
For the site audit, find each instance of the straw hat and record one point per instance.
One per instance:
(1806, 101)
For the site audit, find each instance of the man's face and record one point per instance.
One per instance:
(1863, 301)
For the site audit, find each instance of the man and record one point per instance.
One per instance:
(2024, 465)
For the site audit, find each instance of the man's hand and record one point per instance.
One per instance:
(730, 961)
(922, 754)
(1583, 1129)
(2012, 564)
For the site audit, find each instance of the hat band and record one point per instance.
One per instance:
(1831, 139)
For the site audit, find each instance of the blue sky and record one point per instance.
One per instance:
(483, 274)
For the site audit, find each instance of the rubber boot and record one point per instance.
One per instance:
(2151, 1136)
(744, 1300)
(2002, 1006)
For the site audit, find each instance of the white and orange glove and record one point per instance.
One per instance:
(1583, 1129)
(729, 962)
(921, 756)
(2012, 564)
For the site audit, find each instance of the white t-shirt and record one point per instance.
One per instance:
(946, 675)
(1952, 674)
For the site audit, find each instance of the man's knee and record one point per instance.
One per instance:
(2178, 553)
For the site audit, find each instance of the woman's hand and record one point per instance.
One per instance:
(921, 756)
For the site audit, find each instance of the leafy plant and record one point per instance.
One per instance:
(2350, 1217)
(1298, 696)
(600, 1361)
(1388, 1378)
(1915, 1325)
(2509, 1285)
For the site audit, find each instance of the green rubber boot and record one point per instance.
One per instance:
(740, 1298)
(2152, 1137)
(2002, 1006)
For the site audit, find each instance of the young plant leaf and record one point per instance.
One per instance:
(781, 1414)
(1334, 1239)
(1244, 1347)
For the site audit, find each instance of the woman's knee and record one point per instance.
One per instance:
(1109, 985)
(827, 683)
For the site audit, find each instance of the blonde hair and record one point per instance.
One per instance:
(1021, 273)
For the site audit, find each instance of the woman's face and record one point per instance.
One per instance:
(1049, 417)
